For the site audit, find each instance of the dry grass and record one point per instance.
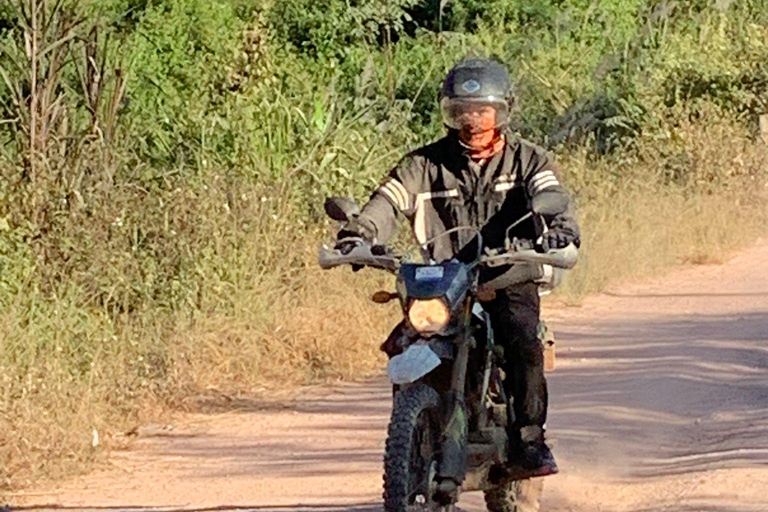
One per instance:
(640, 214)
(326, 329)
(320, 327)
(655, 231)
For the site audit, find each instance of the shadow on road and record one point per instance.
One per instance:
(365, 396)
(678, 396)
(297, 450)
(682, 295)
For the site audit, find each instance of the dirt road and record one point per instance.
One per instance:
(659, 404)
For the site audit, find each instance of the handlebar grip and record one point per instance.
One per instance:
(560, 258)
(361, 255)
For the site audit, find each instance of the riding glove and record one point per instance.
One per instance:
(353, 234)
(557, 238)
(359, 227)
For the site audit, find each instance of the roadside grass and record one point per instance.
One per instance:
(324, 329)
(657, 231)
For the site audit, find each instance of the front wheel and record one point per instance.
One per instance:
(410, 463)
(515, 496)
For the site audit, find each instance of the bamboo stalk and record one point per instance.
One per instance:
(33, 105)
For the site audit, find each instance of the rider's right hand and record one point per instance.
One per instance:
(356, 232)
(358, 227)
(347, 245)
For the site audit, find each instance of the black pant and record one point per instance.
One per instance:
(515, 319)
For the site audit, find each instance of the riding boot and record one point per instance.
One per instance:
(530, 455)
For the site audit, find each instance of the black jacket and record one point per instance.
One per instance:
(438, 187)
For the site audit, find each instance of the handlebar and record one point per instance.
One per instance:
(362, 254)
(383, 258)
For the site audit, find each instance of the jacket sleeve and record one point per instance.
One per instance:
(393, 196)
(540, 175)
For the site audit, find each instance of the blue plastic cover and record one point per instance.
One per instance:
(449, 280)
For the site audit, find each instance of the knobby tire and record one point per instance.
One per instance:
(409, 405)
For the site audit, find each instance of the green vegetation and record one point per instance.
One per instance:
(163, 165)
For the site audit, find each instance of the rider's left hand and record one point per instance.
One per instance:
(555, 238)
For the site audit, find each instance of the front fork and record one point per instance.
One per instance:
(453, 462)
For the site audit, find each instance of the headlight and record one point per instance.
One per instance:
(428, 316)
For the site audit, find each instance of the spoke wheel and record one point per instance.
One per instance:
(410, 464)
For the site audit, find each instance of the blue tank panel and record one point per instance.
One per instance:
(449, 280)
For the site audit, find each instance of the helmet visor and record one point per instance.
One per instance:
(475, 114)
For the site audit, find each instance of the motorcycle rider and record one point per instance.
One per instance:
(480, 174)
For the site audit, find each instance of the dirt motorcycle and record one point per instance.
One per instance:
(448, 429)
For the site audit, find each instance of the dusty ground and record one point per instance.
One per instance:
(659, 404)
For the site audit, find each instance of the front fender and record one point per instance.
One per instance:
(415, 362)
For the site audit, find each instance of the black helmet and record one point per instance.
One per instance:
(472, 83)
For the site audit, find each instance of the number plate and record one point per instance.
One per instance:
(429, 273)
